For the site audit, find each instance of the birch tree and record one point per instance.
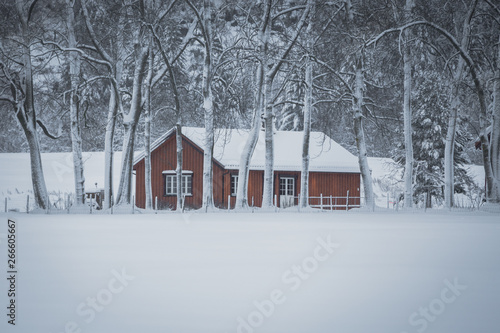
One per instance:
(136, 106)
(208, 107)
(205, 23)
(359, 133)
(18, 91)
(495, 127)
(253, 135)
(177, 101)
(113, 59)
(492, 181)
(130, 122)
(263, 106)
(458, 76)
(147, 128)
(308, 101)
(407, 64)
(74, 104)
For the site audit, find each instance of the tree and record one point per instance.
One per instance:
(131, 118)
(76, 137)
(208, 107)
(147, 128)
(407, 115)
(177, 98)
(113, 59)
(263, 103)
(359, 134)
(454, 98)
(308, 101)
(17, 79)
(430, 128)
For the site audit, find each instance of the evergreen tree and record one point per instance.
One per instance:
(429, 130)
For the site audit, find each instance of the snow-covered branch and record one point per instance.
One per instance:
(93, 35)
(81, 52)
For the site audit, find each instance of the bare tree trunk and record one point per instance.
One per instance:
(264, 82)
(428, 199)
(267, 194)
(76, 138)
(449, 149)
(147, 130)
(108, 144)
(495, 131)
(304, 174)
(178, 121)
(130, 121)
(360, 134)
(407, 114)
(37, 176)
(26, 114)
(449, 152)
(267, 198)
(248, 149)
(114, 105)
(253, 135)
(492, 183)
(178, 169)
(208, 107)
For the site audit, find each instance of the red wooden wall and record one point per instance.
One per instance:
(165, 158)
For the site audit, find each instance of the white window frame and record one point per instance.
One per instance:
(287, 181)
(171, 183)
(234, 184)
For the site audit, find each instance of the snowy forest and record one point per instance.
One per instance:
(414, 80)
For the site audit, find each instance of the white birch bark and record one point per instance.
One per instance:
(76, 138)
(495, 131)
(147, 131)
(208, 108)
(262, 94)
(304, 174)
(178, 112)
(115, 66)
(26, 114)
(492, 183)
(130, 121)
(359, 134)
(178, 169)
(407, 114)
(267, 198)
(449, 149)
(253, 135)
(108, 144)
(268, 118)
(249, 148)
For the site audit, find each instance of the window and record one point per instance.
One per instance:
(234, 185)
(171, 183)
(287, 186)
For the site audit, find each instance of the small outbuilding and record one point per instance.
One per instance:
(334, 176)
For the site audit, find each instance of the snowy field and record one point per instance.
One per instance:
(316, 272)
(15, 178)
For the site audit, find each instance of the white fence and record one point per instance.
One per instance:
(61, 203)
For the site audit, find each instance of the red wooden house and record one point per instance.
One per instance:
(334, 172)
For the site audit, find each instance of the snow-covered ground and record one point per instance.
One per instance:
(263, 272)
(15, 175)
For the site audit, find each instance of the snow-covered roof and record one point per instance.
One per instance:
(326, 155)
